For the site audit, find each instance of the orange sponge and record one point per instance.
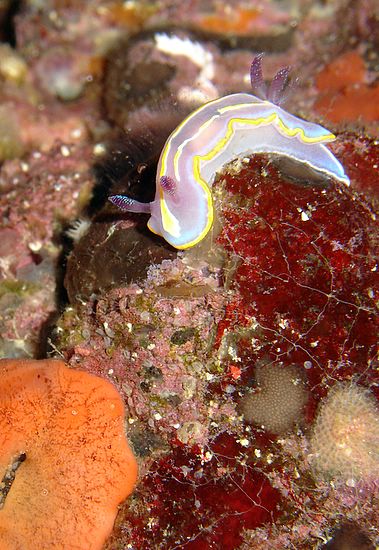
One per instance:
(65, 464)
(345, 94)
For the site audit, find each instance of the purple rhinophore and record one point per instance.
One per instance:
(256, 77)
(280, 84)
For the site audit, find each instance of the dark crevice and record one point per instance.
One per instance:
(9, 477)
(8, 32)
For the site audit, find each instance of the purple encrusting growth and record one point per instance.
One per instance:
(44, 199)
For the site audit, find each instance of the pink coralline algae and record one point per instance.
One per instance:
(38, 197)
(29, 117)
(152, 342)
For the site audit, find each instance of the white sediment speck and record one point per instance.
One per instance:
(99, 149)
(65, 151)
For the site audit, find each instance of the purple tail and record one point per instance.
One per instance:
(126, 204)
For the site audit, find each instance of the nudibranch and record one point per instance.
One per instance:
(216, 133)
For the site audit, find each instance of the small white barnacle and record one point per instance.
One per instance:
(78, 229)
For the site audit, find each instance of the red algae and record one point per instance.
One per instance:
(361, 154)
(182, 346)
(308, 272)
(212, 496)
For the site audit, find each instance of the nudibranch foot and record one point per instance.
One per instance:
(126, 204)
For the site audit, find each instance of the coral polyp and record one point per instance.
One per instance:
(279, 403)
(345, 438)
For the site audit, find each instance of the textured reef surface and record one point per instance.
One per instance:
(247, 364)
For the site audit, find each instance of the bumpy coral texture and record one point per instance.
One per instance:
(279, 403)
(345, 439)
